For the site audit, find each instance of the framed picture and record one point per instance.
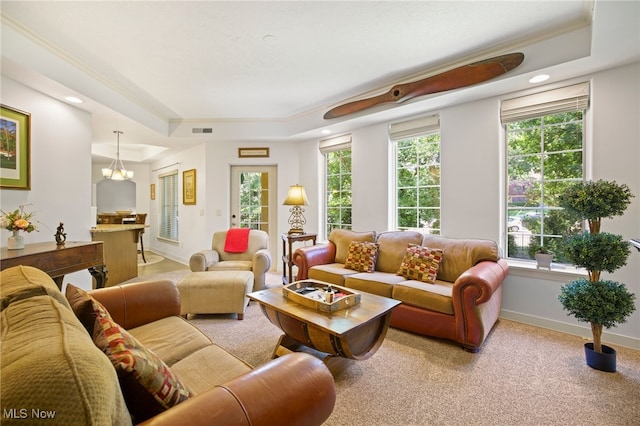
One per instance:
(152, 191)
(253, 152)
(15, 149)
(189, 187)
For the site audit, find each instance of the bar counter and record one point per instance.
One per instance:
(120, 250)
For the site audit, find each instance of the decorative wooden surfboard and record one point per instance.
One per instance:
(464, 76)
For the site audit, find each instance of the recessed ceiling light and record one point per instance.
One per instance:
(326, 131)
(539, 78)
(269, 39)
(74, 99)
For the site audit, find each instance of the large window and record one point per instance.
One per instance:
(417, 171)
(168, 193)
(545, 154)
(337, 183)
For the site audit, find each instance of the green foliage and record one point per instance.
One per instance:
(593, 200)
(418, 182)
(607, 303)
(597, 252)
(338, 195)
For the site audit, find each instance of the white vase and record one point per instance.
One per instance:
(16, 241)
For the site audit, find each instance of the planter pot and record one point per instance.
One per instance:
(605, 361)
(15, 241)
(544, 260)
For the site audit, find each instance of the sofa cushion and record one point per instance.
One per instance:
(332, 273)
(44, 344)
(380, 283)
(148, 386)
(362, 256)
(461, 254)
(432, 297)
(393, 245)
(232, 265)
(22, 282)
(171, 338)
(421, 263)
(200, 374)
(341, 238)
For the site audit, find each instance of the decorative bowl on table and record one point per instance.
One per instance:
(124, 212)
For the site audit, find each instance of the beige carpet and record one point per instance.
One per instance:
(524, 375)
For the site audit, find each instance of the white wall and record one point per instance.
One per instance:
(60, 169)
(472, 180)
(213, 162)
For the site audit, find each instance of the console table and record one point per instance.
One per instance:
(57, 261)
(287, 243)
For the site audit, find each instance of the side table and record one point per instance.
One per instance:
(287, 253)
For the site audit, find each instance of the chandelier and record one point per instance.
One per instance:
(116, 170)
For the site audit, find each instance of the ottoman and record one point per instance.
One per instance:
(215, 292)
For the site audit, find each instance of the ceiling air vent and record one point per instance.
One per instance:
(201, 130)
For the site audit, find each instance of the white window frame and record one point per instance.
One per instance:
(414, 128)
(166, 231)
(326, 146)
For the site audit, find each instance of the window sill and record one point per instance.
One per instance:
(558, 272)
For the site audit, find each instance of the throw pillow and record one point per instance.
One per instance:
(421, 263)
(148, 386)
(362, 256)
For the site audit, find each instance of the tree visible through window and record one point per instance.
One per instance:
(544, 155)
(338, 189)
(418, 183)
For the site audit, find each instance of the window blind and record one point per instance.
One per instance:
(335, 144)
(563, 99)
(416, 127)
(169, 206)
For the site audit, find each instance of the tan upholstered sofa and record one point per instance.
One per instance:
(257, 257)
(51, 366)
(462, 305)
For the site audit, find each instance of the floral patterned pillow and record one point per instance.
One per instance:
(421, 263)
(362, 256)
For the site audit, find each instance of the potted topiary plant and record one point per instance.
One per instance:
(602, 303)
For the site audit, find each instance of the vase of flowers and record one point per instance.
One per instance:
(16, 221)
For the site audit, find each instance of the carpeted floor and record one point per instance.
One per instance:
(524, 375)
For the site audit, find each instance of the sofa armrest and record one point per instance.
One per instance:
(306, 257)
(261, 261)
(133, 305)
(295, 389)
(478, 284)
(201, 260)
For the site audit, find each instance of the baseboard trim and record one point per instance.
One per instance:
(575, 330)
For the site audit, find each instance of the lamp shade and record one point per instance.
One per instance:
(296, 196)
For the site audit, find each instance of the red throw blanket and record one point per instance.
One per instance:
(237, 240)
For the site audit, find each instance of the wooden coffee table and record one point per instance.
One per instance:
(337, 338)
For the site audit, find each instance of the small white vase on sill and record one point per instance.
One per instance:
(16, 241)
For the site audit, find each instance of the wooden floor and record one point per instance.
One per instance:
(157, 268)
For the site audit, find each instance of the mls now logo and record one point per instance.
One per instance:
(23, 413)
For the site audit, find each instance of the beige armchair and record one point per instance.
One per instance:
(256, 259)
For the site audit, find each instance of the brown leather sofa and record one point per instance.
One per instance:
(51, 364)
(462, 305)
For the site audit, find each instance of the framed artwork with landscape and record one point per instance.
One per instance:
(15, 148)
(189, 187)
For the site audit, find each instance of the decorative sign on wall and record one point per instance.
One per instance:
(15, 149)
(253, 152)
(152, 190)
